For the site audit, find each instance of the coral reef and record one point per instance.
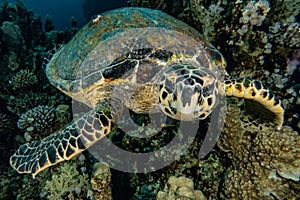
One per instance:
(23, 45)
(180, 188)
(67, 183)
(258, 38)
(38, 122)
(6, 122)
(63, 115)
(20, 103)
(7, 131)
(210, 173)
(13, 41)
(252, 35)
(100, 181)
(41, 121)
(23, 79)
(264, 162)
(9, 184)
(48, 24)
(30, 188)
(285, 34)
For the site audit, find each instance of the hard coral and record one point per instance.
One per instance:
(285, 34)
(206, 19)
(20, 103)
(23, 79)
(38, 122)
(180, 188)
(264, 163)
(6, 123)
(67, 183)
(100, 181)
(242, 30)
(12, 36)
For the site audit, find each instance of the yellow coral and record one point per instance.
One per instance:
(180, 188)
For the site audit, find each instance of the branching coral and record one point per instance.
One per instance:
(21, 103)
(210, 171)
(206, 20)
(285, 34)
(41, 121)
(38, 122)
(67, 183)
(250, 33)
(250, 40)
(284, 11)
(23, 79)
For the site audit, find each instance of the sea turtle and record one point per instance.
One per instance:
(136, 58)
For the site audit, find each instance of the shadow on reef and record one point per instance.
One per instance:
(259, 39)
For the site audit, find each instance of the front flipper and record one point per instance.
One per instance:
(256, 91)
(64, 145)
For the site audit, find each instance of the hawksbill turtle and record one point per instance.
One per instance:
(135, 58)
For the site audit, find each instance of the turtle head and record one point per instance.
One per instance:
(187, 92)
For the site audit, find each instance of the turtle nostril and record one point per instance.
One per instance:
(202, 116)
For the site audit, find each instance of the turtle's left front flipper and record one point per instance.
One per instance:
(258, 92)
(64, 145)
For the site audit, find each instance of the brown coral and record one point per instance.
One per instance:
(180, 188)
(100, 181)
(264, 163)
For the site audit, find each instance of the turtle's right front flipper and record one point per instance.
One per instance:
(64, 145)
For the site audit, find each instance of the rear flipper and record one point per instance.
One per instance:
(265, 104)
(64, 145)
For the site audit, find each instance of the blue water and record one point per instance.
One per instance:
(61, 11)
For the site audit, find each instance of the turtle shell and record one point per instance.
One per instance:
(126, 43)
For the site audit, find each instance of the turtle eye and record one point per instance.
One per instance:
(208, 86)
(208, 90)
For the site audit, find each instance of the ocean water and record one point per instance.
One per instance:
(172, 100)
(61, 12)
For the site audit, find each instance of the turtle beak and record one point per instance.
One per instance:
(189, 99)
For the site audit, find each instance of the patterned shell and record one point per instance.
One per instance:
(123, 42)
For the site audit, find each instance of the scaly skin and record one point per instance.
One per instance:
(64, 145)
(256, 91)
